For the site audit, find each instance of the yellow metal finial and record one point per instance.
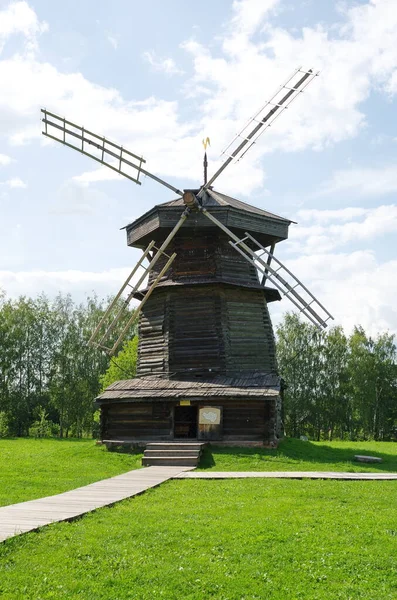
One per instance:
(206, 143)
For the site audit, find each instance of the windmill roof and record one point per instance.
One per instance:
(213, 198)
(256, 385)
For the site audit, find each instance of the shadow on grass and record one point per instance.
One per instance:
(296, 451)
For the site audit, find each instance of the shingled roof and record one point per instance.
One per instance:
(257, 385)
(213, 198)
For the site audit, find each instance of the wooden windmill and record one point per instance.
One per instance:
(206, 357)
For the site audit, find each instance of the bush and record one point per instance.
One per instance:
(43, 427)
(4, 425)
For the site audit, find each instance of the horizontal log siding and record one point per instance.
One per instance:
(138, 420)
(196, 342)
(204, 254)
(243, 419)
(153, 339)
(249, 335)
(206, 329)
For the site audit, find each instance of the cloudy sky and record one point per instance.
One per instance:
(158, 77)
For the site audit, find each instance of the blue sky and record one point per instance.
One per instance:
(158, 77)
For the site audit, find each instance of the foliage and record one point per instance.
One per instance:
(44, 427)
(227, 540)
(46, 364)
(124, 365)
(4, 428)
(33, 468)
(337, 386)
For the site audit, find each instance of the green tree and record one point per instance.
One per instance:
(124, 365)
(373, 381)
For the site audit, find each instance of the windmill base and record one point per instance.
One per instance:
(220, 411)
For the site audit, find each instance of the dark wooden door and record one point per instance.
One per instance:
(185, 422)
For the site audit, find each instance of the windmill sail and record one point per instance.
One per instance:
(263, 119)
(97, 147)
(281, 277)
(109, 319)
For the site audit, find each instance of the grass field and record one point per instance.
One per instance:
(295, 455)
(228, 540)
(32, 468)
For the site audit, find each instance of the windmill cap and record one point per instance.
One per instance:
(238, 216)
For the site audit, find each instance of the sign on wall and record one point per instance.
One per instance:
(209, 415)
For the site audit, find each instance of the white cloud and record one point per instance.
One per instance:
(356, 288)
(77, 283)
(5, 160)
(166, 65)
(370, 181)
(14, 182)
(20, 18)
(75, 199)
(356, 55)
(101, 174)
(324, 216)
(248, 14)
(319, 233)
(113, 40)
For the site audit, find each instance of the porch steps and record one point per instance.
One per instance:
(186, 454)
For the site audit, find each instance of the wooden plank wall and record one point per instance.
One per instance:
(195, 332)
(243, 419)
(153, 339)
(137, 420)
(205, 254)
(207, 329)
(250, 339)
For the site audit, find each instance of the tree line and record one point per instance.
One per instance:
(335, 385)
(49, 375)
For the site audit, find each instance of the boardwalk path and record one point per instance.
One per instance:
(26, 516)
(284, 475)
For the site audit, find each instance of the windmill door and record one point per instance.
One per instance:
(210, 423)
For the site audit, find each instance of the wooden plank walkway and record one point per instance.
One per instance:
(285, 475)
(27, 516)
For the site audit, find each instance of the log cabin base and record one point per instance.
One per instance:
(222, 411)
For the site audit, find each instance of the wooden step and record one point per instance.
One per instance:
(170, 461)
(183, 454)
(175, 446)
(174, 453)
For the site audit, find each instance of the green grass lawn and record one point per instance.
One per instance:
(295, 455)
(32, 468)
(229, 540)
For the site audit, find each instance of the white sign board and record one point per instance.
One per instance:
(208, 415)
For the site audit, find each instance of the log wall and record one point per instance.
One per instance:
(203, 330)
(243, 419)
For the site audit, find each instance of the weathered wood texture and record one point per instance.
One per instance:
(153, 336)
(243, 419)
(140, 420)
(204, 256)
(205, 330)
(233, 213)
(286, 475)
(207, 320)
